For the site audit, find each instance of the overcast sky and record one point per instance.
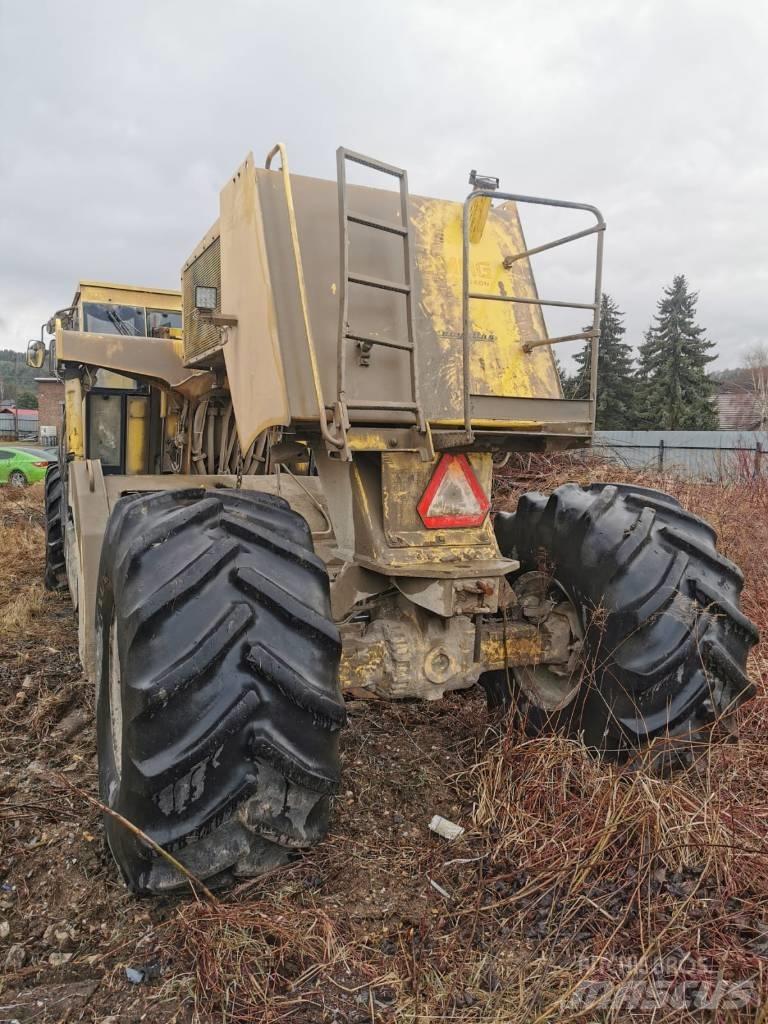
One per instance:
(120, 123)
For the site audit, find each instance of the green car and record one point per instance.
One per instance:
(21, 466)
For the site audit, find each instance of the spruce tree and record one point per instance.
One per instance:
(675, 391)
(645, 416)
(566, 382)
(616, 408)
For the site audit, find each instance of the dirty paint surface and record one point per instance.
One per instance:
(524, 646)
(499, 365)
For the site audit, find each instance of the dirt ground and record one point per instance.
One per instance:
(579, 891)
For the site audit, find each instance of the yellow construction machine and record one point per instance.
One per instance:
(291, 501)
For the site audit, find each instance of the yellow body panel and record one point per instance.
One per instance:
(499, 365)
(129, 295)
(478, 217)
(276, 325)
(154, 358)
(491, 424)
(252, 351)
(137, 435)
(73, 404)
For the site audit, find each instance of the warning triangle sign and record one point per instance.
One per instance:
(453, 496)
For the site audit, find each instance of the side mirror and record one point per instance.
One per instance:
(36, 353)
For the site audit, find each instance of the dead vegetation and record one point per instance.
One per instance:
(579, 892)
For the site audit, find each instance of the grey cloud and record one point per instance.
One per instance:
(121, 123)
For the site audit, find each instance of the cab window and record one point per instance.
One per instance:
(105, 429)
(160, 322)
(112, 318)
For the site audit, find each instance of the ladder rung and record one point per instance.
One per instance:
(374, 165)
(371, 405)
(367, 339)
(379, 282)
(379, 225)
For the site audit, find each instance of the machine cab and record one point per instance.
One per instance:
(119, 410)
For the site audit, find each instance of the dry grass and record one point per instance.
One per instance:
(580, 892)
(21, 523)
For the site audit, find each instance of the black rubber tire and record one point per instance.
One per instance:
(665, 641)
(17, 479)
(55, 566)
(228, 680)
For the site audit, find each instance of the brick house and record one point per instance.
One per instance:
(50, 403)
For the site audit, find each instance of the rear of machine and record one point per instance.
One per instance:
(401, 340)
(313, 518)
(357, 297)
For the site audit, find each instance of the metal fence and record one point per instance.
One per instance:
(699, 454)
(719, 455)
(24, 427)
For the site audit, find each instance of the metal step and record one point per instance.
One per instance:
(366, 341)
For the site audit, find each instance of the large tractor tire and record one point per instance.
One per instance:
(55, 567)
(663, 642)
(218, 704)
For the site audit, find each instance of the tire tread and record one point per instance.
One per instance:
(213, 737)
(670, 639)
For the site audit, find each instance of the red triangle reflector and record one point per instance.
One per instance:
(453, 496)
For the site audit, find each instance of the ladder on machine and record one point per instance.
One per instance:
(405, 288)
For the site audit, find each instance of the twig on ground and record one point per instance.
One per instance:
(194, 882)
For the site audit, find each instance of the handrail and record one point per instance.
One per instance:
(335, 442)
(528, 346)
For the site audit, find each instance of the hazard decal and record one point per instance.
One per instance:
(453, 496)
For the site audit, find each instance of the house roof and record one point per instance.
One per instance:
(739, 410)
(13, 411)
(741, 399)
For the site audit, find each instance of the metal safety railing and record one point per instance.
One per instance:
(530, 344)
